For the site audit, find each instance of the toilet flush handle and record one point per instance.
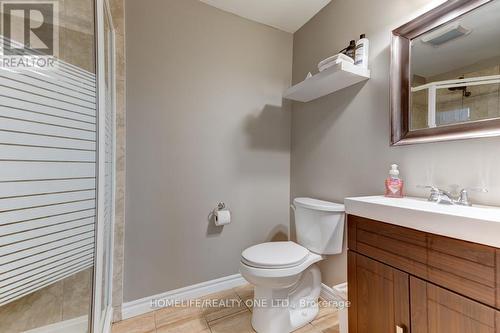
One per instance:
(293, 208)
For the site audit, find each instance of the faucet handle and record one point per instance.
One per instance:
(474, 189)
(435, 191)
(463, 199)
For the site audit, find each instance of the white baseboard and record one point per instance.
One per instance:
(332, 294)
(75, 325)
(143, 305)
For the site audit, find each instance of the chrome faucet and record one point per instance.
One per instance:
(446, 198)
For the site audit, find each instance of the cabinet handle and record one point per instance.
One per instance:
(399, 329)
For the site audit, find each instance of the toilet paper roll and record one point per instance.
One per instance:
(222, 217)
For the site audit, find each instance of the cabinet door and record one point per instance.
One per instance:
(437, 310)
(379, 296)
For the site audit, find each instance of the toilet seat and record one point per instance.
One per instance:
(247, 270)
(275, 255)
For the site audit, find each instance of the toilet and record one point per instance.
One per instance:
(286, 279)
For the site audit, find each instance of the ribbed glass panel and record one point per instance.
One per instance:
(47, 177)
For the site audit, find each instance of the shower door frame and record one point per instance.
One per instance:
(99, 323)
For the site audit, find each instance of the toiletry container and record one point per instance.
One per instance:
(362, 51)
(394, 184)
(350, 51)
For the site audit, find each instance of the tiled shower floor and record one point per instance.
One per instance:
(234, 319)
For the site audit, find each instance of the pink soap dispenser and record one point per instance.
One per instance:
(394, 184)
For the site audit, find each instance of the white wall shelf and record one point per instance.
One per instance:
(335, 78)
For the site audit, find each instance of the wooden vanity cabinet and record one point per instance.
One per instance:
(406, 281)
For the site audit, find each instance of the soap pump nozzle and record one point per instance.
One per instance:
(394, 172)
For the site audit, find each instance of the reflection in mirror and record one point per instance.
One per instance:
(455, 71)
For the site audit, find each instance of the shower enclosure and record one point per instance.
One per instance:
(57, 162)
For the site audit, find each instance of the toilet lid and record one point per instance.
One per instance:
(275, 255)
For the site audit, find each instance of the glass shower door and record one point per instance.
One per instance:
(48, 161)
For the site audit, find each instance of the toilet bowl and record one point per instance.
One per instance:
(286, 279)
(286, 292)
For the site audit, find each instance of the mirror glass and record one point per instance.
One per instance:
(455, 71)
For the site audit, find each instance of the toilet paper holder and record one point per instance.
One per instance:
(221, 215)
(220, 206)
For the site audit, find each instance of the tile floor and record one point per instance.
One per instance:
(233, 319)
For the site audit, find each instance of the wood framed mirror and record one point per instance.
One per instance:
(445, 74)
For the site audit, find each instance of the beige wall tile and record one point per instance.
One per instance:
(120, 108)
(77, 15)
(120, 57)
(77, 293)
(118, 14)
(117, 11)
(38, 309)
(67, 299)
(77, 48)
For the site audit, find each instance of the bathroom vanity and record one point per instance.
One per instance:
(416, 266)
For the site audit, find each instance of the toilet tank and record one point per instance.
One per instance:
(319, 225)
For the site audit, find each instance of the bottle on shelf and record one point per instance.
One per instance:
(350, 51)
(362, 51)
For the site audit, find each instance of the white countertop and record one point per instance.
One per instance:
(478, 224)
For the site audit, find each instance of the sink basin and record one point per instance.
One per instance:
(478, 224)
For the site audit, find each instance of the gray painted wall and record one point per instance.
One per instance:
(205, 123)
(340, 143)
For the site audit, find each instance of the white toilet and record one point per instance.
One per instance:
(287, 282)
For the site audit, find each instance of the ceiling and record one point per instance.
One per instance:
(286, 15)
(481, 44)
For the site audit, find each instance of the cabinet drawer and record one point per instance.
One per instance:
(466, 268)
